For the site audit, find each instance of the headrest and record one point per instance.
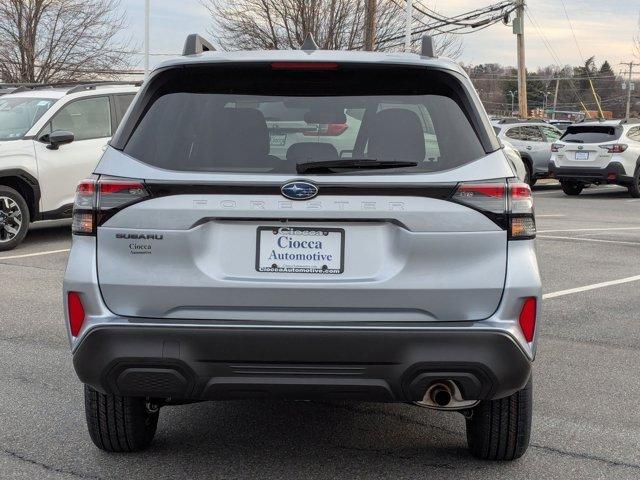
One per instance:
(396, 134)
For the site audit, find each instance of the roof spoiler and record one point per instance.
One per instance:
(195, 44)
(427, 49)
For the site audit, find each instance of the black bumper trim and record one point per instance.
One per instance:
(192, 363)
(591, 175)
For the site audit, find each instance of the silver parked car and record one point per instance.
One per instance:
(533, 139)
(209, 263)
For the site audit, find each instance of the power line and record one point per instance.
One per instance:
(553, 53)
(459, 22)
(586, 67)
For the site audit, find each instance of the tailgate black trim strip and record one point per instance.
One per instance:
(442, 191)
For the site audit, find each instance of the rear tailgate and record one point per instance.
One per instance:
(403, 258)
(209, 241)
(584, 146)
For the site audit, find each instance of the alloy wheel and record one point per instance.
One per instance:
(10, 219)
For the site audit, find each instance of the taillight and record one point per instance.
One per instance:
(555, 147)
(615, 148)
(328, 130)
(508, 203)
(522, 224)
(84, 208)
(97, 201)
(488, 197)
(527, 319)
(76, 312)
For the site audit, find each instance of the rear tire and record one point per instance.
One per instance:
(572, 188)
(119, 424)
(501, 429)
(634, 188)
(14, 218)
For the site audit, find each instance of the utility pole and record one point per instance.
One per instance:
(513, 97)
(407, 30)
(555, 99)
(518, 29)
(147, 8)
(370, 25)
(630, 66)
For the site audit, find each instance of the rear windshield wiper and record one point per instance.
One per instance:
(573, 141)
(351, 164)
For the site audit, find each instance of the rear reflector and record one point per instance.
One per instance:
(304, 66)
(527, 318)
(76, 312)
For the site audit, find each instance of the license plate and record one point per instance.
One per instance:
(278, 139)
(582, 155)
(300, 250)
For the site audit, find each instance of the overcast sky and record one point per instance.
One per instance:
(604, 28)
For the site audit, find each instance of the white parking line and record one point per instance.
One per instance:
(588, 230)
(594, 286)
(50, 252)
(582, 239)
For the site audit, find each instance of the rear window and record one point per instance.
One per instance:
(591, 134)
(267, 121)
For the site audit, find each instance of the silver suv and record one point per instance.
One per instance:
(209, 264)
(533, 139)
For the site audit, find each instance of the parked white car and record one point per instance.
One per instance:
(598, 153)
(515, 160)
(51, 137)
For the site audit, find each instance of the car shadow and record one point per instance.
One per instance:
(40, 234)
(271, 439)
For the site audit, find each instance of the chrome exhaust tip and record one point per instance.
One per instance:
(445, 395)
(440, 394)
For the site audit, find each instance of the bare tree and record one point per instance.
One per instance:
(58, 40)
(283, 24)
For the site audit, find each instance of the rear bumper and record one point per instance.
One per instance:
(612, 173)
(350, 358)
(210, 363)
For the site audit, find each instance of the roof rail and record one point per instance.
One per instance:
(426, 49)
(506, 121)
(195, 44)
(92, 86)
(73, 87)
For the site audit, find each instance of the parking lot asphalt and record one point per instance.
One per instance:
(586, 381)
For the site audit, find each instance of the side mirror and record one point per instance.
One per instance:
(57, 138)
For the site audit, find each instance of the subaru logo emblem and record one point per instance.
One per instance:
(299, 190)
